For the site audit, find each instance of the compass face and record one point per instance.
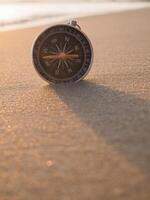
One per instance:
(62, 53)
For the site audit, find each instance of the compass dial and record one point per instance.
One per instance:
(62, 53)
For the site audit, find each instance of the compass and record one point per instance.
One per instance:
(62, 53)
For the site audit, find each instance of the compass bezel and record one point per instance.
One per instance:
(78, 76)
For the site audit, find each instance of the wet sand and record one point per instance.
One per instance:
(87, 141)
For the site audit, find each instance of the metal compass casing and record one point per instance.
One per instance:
(62, 53)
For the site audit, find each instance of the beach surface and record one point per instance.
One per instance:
(86, 141)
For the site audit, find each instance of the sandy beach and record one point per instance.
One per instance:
(86, 141)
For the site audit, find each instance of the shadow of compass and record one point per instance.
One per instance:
(122, 119)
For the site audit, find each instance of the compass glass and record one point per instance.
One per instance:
(62, 54)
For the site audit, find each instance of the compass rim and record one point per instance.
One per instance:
(70, 79)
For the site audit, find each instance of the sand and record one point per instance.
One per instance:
(86, 141)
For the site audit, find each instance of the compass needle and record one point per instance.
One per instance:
(70, 51)
(50, 57)
(59, 63)
(72, 56)
(53, 48)
(58, 67)
(58, 48)
(52, 52)
(64, 48)
(68, 68)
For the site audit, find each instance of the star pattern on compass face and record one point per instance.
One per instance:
(62, 55)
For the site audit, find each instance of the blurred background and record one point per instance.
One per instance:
(24, 13)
